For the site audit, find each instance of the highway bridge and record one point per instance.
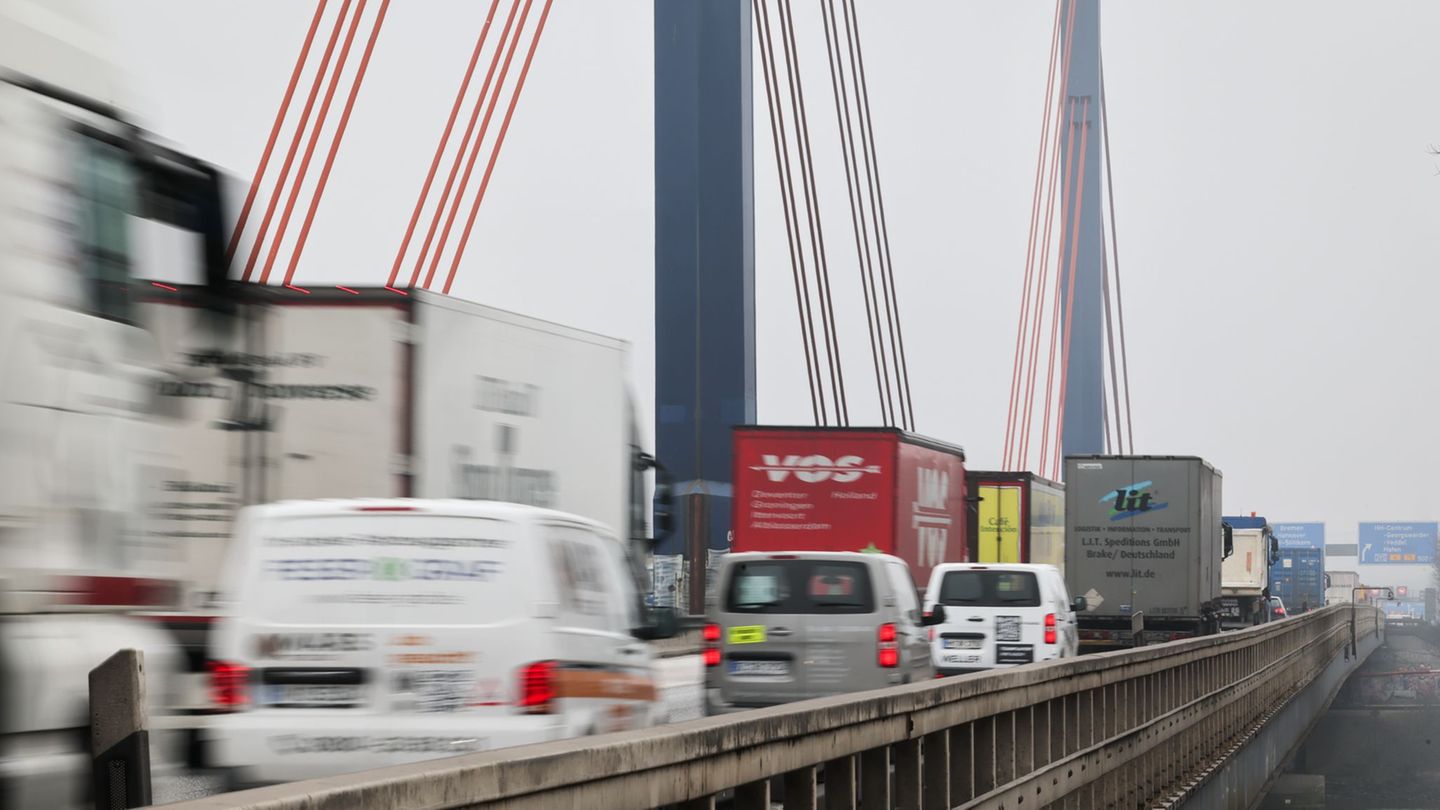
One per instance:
(1202, 723)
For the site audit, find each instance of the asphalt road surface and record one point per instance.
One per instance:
(681, 687)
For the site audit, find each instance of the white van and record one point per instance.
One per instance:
(367, 633)
(999, 616)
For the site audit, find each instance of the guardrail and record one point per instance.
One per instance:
(1130, 728)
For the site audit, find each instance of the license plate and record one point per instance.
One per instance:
(750, 634)
(964, 643)
(311, 695)
(1014, 653)
(1007, 628)
(770, 668)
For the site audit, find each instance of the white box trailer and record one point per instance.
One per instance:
(379, 394)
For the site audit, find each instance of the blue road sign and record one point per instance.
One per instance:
(1397, 543)
(1299, 535)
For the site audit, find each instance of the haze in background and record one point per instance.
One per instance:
(1276, 208)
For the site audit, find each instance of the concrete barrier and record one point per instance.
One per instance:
(1132, 728)
(119, 733)
(687, 642)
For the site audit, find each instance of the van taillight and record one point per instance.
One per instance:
(1049, 628)
(711, 635)
(537, 688)
(229, 684)
(888, 654)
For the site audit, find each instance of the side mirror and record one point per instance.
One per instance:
(664, 511)
(663, 503)
(933, 617)
(1229, 537)
(664, 623)
(1078, 604)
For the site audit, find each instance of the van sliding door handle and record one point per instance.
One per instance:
(779, 631)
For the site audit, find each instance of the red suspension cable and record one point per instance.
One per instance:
(275, 130)
(475, 147)
(295, 141)
(335, 143)
(1057, 189)
(1070, 294)
(464, 147)
(1020, 332)
(499, 142)
(1059, 288)
(444, 139)
(310, 145)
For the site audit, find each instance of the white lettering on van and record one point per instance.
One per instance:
(813, 469)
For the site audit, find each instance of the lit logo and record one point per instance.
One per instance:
(1131, 500)
(814, 469)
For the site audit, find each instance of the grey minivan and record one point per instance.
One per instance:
(783, 627)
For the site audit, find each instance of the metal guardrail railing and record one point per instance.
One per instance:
(1130, 728)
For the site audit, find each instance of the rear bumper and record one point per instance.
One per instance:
(268, 747)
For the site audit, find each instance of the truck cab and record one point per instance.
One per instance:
(91, 208)
(1245, 573)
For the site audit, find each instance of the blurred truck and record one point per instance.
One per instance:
(850, 489)
(1299, 578)
(1340, 587)
(1245, 574)
(371, 393)
(91, 208)
(1019, 517)
(1144, 545)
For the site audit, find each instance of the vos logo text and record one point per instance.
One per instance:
(813, 469)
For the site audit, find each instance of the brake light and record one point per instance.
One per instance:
(888, 654)
(228, 684)
(711, 634)
(537, 688)
(1049, 628)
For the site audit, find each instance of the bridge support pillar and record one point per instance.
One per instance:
(704, 264)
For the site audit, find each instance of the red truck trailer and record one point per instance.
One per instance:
(850, 489)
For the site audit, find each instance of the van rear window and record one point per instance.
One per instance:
(379, 568)
(799, 586)
(990, 589)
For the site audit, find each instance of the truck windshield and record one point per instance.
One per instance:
(800, 586)
(380, 569)
(990, 589)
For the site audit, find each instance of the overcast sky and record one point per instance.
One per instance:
(1275, 203)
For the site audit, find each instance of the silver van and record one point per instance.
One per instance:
(783, 627)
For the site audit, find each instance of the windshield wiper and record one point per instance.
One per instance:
(754, 605)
